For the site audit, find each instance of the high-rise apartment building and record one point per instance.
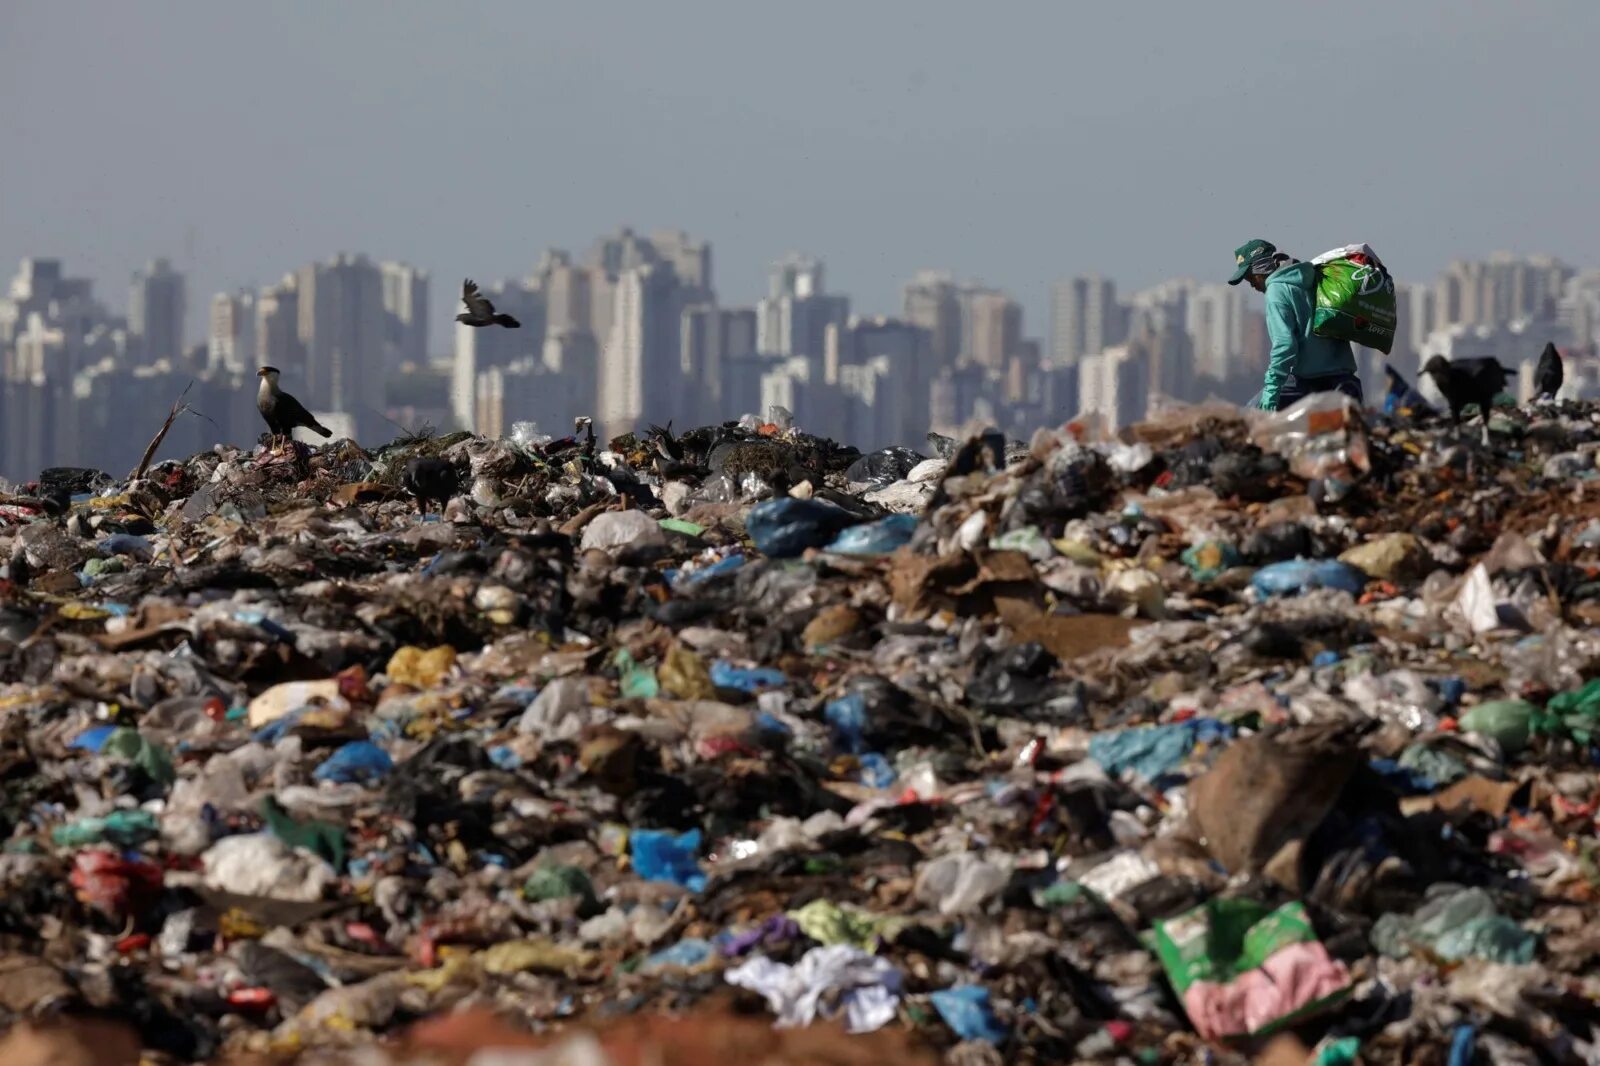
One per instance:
(278, 327)
(1502, 288)
(405, 309)
(231, 338)
(991, 327)
(794, 317)
(155, 313)
(933, 304)
(1085, 318)
(1220, 318)
(639, 363)
(342, 329)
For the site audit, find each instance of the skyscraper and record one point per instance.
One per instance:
(1218, 322)
(342, 327)
(794, 317)
(155, 313)
(231, 339)
(566, 293)
(1085, 318)
(639, 364)
(991, 327)
(933, 305)
(278, 327)
(883, 363)
(690, 259)
(405, 309)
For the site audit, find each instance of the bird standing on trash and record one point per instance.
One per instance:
(480, 312)
(428, 478)
(283, 413)
(1468, 381)
(1549, 374)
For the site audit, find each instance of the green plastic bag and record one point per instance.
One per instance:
(1509, 722)
(1223, 939)
(1355, 299)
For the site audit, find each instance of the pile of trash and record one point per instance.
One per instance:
(1234, 737)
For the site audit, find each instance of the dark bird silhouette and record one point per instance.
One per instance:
(665, 444)
(1401, 396)
(1463, 382)
(480, 312)
(1550, 373)
(283, 413)
(429, 479)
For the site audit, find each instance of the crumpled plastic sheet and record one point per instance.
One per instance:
(827, 982)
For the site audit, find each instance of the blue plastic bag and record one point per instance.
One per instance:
(785, 527)
(684, 955)
(722, 566)
(1301, 575)
(848, 717)
(663, 856)
(726, 675)
(93, 739)
(359, 760)
(876, 538)
(966, 1009)
(876, 771)
(1152, 751)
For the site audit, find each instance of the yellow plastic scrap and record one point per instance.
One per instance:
(453, 966)
(25, 699)
(421, 669)
(107, 503)
(831, 923)
(542, 956)
(235, 924)
(684, 674)
(82, 612)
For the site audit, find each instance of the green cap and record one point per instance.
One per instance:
(1246, 254)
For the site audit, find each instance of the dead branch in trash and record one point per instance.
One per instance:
(178, 408)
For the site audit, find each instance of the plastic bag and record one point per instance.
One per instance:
(882, 468)
(966, 1009)
(876, 538)
(785, 527)
(1355, 299)
(1301, 575)
(359, 760)
(1322, 437)
(527, 435)
(663, 856)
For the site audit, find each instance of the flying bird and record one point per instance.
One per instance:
(1463, 382)
(480, 312)
(283, 413)
(429, 479)
(1549, 374)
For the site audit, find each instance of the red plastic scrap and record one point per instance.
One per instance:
(252, 998)
(114, 886)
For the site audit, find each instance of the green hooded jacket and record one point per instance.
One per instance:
(1295, 349)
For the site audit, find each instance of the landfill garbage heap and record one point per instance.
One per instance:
(1233, 738)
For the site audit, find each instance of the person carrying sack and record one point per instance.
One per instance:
(1302, 361)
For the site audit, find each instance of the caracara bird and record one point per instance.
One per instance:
(283, 413)
(480, 312)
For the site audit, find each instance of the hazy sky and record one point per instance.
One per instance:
(1011, 143)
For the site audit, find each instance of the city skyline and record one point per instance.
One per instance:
(631, 330)
(1008, 144)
